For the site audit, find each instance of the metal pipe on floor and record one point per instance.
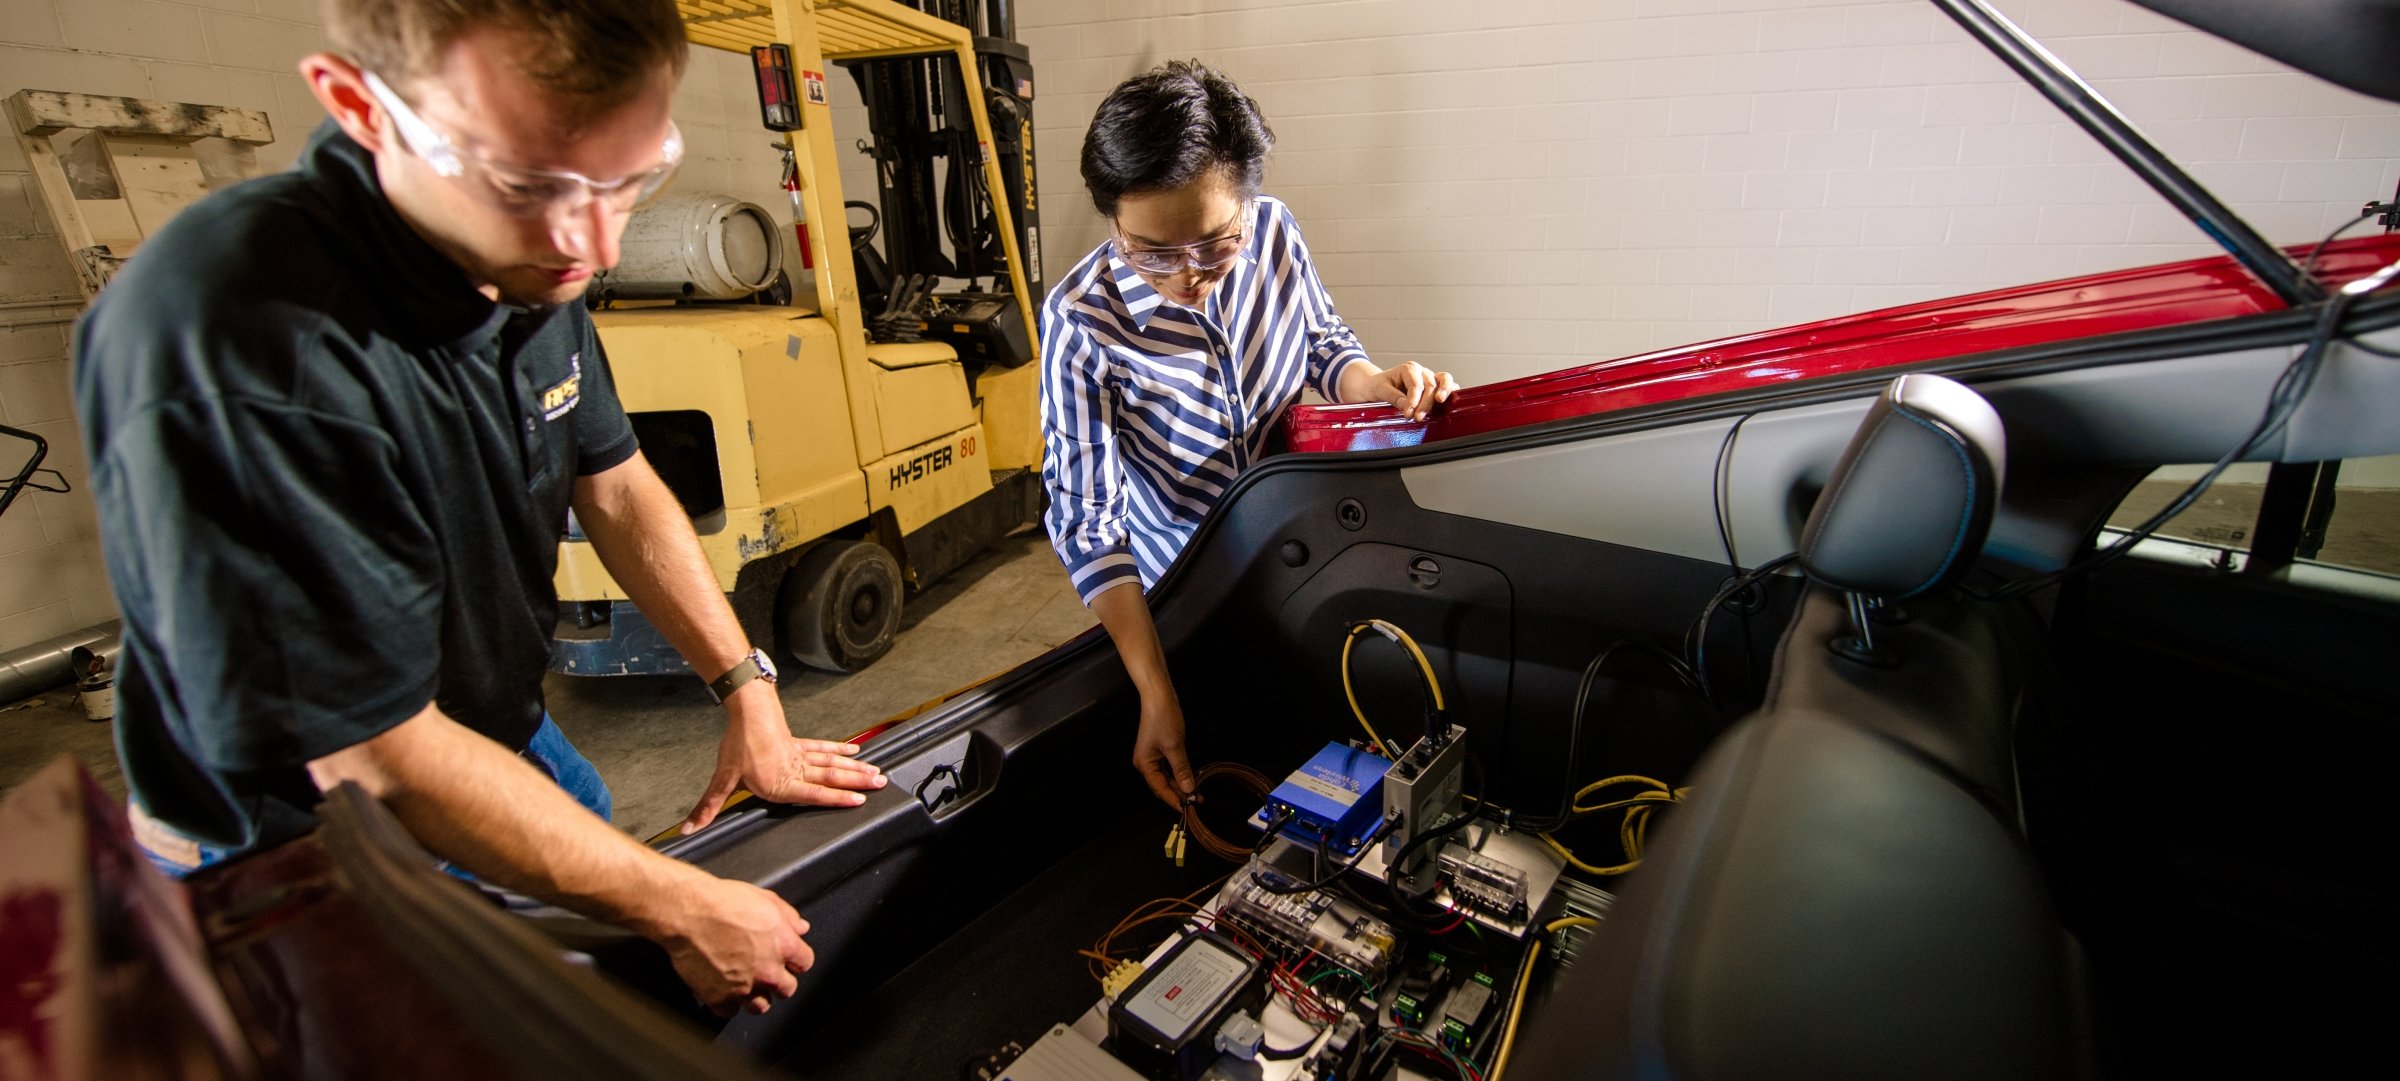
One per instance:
(29, 670)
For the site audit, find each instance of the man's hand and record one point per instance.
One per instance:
(1158, 750)
(1411, 388)
(736, 945)
(759, 753)
(643, 538)
(473, 802)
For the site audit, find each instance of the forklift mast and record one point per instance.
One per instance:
(834, 454)
(936, 220)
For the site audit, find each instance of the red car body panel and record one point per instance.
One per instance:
(2143, 298)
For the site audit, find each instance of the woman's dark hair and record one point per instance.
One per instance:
(1165, 127)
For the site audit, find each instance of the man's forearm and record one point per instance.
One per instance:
(1126, 614)
(473, 803)
(642, 536)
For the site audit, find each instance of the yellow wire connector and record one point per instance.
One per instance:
(1119, 978)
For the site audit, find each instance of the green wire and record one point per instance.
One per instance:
(1331, 968)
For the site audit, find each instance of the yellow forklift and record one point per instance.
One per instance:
(836, 454)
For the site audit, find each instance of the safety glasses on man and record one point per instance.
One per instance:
(521, 191)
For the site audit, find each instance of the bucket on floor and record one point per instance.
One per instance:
(95, 685)
(99, 698)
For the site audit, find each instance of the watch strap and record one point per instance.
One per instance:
(753, 665)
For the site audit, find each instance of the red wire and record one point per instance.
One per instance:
(1454, 924)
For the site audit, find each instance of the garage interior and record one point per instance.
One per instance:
(1493, 189)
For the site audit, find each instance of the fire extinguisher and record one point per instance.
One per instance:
(791, 184)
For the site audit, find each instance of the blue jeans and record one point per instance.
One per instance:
(549, 752)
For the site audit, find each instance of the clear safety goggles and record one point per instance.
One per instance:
(520, 191)
(1204, 256)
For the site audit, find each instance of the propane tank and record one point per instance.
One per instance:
(696, 247)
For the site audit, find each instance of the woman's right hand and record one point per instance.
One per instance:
(1158, 750)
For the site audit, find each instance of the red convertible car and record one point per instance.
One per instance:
(1811, 703)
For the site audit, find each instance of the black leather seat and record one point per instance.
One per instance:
(1845, 894)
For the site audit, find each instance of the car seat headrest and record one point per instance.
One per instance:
(1909, 503)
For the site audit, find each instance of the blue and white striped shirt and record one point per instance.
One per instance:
(1149, 409)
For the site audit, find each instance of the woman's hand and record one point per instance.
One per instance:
(1158, 750)
(1409, 387)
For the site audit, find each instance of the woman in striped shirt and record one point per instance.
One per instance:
(1169, 352)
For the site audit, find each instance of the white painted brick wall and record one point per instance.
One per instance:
(222, 52)
(1504, 188)
(1499, 188)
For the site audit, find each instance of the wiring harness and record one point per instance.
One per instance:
(1250, 780)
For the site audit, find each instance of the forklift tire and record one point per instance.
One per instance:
(839, 607)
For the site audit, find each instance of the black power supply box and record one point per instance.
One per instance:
(1165, 1023)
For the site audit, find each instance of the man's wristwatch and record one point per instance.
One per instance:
(754, 666)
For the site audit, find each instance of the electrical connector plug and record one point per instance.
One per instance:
(1177, 841)
(1241, 1035)
(1119, 978)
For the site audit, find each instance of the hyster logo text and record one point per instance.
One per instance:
(915, 469)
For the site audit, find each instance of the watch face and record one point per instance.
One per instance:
(766, 668)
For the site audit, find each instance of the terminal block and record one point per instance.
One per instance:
(1485, 884)
(1293, 924)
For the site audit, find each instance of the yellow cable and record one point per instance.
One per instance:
(1633, 832)
(1516, 1004)
(1423, 665)
(1661, 791)
(1516, 1010)
(1392, 631)
(1586, 868)
(1351, 692)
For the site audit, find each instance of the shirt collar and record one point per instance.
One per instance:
(1138, 298)
(432, 296)
(1141, 302)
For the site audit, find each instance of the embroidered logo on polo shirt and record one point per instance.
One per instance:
(560, 400)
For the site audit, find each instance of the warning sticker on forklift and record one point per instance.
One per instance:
(813, 84)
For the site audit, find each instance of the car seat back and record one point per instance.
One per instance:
(1845, 893)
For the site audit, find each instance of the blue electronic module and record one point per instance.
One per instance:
(1333, 802)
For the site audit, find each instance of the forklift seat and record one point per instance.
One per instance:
(1846, 892)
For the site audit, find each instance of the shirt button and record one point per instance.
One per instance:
(529, 426)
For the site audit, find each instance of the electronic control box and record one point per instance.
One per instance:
(1333, 803)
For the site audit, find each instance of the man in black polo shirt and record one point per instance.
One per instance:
(337, 418)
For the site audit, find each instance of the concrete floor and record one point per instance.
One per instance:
(2364, 531)
(654, 738)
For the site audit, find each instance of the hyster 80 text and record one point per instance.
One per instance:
(917, 468)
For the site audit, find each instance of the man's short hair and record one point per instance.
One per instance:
(1163, 128)
(598, 51)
